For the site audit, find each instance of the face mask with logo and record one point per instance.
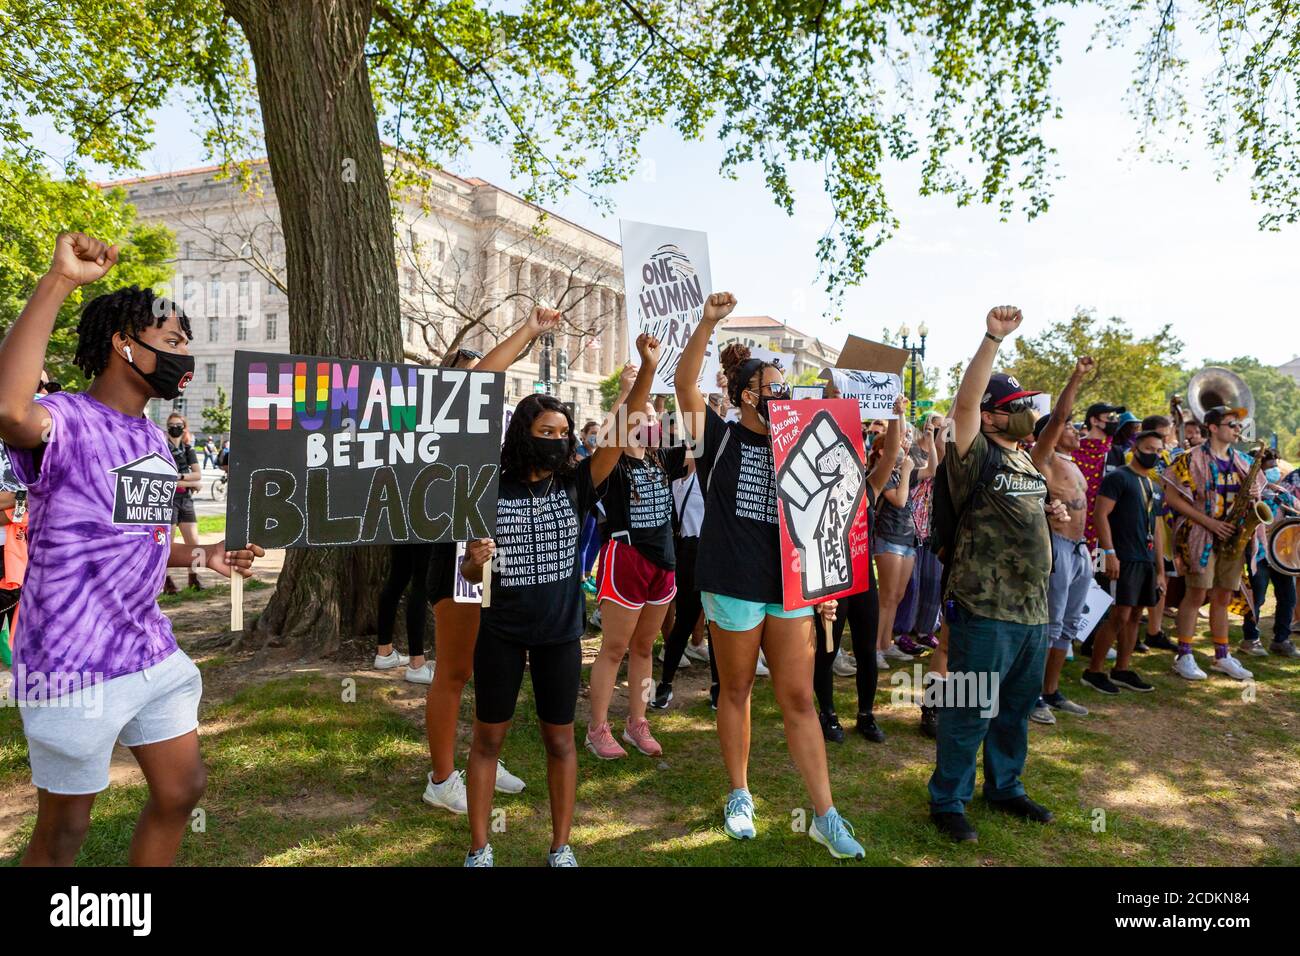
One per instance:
(1147, 459)
(171, 372)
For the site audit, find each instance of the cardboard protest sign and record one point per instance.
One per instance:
(875, 392)
(860, 353)
(822, 500)
(463, 592)
(1095, 606)
(807, 391)
(666, 281)
(328, 451)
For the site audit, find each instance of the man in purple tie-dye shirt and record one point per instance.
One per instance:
(95, 661)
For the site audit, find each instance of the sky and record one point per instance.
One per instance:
(1125, 235)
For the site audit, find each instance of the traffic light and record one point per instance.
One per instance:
(544, 364)
(562, 366)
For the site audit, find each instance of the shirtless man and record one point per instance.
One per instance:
(1055, 440)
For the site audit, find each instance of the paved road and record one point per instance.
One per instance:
(203, 503)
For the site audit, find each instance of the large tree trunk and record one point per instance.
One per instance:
(326, 162)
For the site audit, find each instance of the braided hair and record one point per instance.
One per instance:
(129, 311)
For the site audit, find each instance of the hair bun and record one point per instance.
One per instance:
(733, 355)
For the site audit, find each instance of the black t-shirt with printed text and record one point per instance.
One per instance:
(537, 577)
(1132, 520)
(740, 540)
(638, 501)
(185, 459)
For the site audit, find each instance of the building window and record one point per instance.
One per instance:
(209, 403)
(179, 406)
(272, 327)
(243, 287)
(214, 328)
(412, 281)
(188, 249)
(241, 329)
(439, 250)
(210, 371)
(214, 291)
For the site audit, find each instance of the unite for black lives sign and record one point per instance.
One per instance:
(328, 451)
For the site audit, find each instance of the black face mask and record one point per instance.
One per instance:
(176, 431)
(171, 372)
(1147, 459)
(547, 454)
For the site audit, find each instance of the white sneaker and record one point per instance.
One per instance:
(761, 670)
(896, 653)
(1232, 667)
(1254, 648)
(698, 652)
(386, 662)
(507, 782)
(681, 664)
(1185, 667)
(881, 663)
(482, 857)
(844, 665)
(450, 794)
(420, 675)
(1069, 652)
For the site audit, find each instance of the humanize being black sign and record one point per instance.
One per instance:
(328, 451)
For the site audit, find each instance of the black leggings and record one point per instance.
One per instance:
(410, 565)
(688, 607)
(556, 671)
(860, 612)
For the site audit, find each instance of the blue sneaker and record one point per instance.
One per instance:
(562, 857)
(739, 815)
(481, 857)
(836, 834)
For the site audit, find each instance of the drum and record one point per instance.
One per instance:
(1284, 546)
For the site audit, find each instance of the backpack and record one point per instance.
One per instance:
(946, 517)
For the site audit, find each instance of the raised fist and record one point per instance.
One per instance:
(1085, 366)
(1002, 320)
(901, 405)
(81, 259)
(647, 346)
(542, 319)
(821, 485)
(628, 376)
(718, 306)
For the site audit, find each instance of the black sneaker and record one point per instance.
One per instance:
(1098, 682)
(831, 728)
(930, 721)
(663, 696)
(955, 826)
(1023, 807)
(1129, 680)
(868, 728)
(1284, 648)
(1140, 648)
(1160, 641)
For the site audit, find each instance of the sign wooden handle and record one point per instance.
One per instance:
(487, 584)
(828, 628)
(236, 600)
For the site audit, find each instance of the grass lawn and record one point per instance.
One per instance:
(212, 524)
(1190, 775)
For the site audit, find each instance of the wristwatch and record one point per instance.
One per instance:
(990, 335)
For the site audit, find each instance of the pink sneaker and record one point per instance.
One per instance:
(637, 733)
(909, 646)
(601, 742)
(928, 640)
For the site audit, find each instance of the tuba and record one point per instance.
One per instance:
(1284, 546)
(1215, 385)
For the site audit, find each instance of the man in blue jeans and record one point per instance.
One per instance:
(997, 592)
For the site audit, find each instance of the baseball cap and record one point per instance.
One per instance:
(1003, 388)
(1098, 409)
(1216, 414)
(1126, 418)
(1149, 433)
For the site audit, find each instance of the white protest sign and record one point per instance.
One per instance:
(463, 592)
(1097, 602)
(1042, 403)
(666, 281)
(876, 392)
(782, 359)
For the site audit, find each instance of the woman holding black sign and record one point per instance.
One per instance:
(456, 622)
(533, 614)
(739, 575)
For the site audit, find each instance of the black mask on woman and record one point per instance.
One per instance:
(547, 454)
(1147, 459)
(171, 372)
(176, 431)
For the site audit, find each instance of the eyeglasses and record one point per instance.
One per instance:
(777, 389)
(1013, 406)
(1235, 426)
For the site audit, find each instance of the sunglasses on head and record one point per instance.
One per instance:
(469, 354)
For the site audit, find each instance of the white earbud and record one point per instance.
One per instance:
(127, 349)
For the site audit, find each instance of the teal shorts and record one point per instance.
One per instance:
(735, 614)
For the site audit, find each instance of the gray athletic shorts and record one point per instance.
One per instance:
(70, 739)
(1067, 590)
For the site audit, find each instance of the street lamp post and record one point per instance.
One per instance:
(914, 351)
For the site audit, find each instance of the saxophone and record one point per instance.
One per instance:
(1245, 515)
